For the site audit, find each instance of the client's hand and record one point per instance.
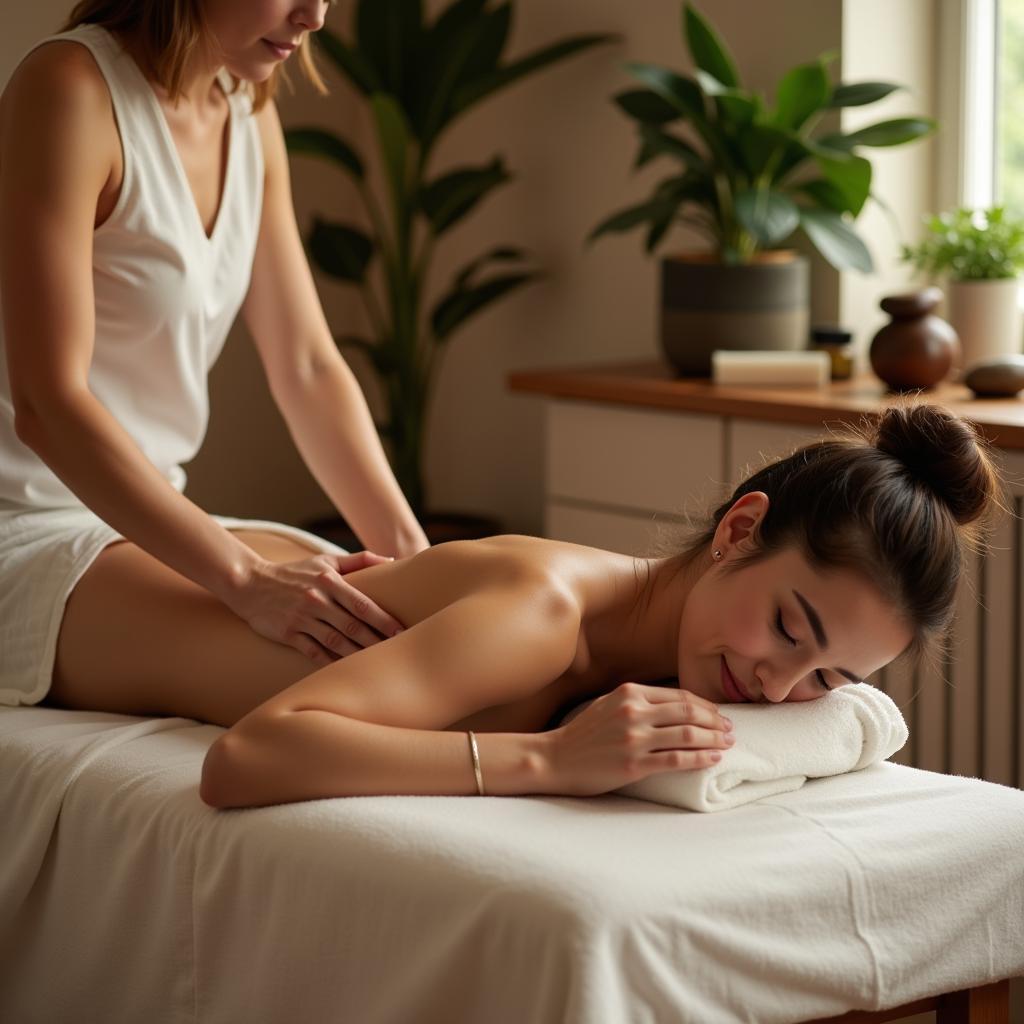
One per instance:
(633, 732)
(309, 606)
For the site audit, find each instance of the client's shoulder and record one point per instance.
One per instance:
(567, 572)
(506, 558)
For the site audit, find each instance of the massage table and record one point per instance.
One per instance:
(123, 898)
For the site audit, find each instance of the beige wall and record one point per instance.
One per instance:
(571, 151)
(892, 42)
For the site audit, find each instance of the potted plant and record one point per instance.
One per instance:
(748, 176)
(981, 253)
(417, 78)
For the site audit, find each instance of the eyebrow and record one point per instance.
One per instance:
(819, 633)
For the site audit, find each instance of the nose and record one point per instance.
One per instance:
(310, 14)
(777, 680)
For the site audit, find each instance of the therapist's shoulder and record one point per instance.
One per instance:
(56, 112)
(61, 71)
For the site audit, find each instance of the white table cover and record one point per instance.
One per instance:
(123, 898)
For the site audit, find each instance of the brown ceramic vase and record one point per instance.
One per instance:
(916, 348)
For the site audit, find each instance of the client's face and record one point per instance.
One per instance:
(781, 630)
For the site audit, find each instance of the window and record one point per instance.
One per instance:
(1009, 140)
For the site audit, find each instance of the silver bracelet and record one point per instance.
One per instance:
(476, 764)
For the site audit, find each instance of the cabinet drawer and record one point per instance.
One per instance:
(632, 459)
(754, 443)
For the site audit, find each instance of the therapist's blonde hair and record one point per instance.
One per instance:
(168, 32)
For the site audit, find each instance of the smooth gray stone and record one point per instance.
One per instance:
(997, 378)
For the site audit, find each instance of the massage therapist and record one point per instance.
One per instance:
(144, 201)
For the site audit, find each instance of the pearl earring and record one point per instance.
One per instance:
(716, 554)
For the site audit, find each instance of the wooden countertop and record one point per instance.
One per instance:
(654, 384)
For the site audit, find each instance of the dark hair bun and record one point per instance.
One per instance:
(945, 453)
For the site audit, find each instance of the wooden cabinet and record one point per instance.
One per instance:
(616, 475)
(623, 473)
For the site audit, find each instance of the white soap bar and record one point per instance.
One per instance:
(774, 369)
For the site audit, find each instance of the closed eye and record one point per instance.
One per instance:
(782, 632)
(781, 628)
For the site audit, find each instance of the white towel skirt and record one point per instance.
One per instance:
(43, 554)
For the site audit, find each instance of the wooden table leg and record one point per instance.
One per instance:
(986, 1004)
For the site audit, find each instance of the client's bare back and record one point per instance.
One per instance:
(139, 638)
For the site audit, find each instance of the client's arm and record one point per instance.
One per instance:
(373, 722)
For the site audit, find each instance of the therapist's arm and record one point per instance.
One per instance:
(312, 385)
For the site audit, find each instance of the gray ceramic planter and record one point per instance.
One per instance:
(706, 305)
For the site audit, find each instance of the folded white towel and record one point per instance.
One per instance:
(780, 746)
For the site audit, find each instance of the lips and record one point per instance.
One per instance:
(732, 687)
(280, 50)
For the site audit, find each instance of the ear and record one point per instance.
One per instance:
(738, 527)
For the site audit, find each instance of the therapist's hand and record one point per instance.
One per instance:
(310, 606)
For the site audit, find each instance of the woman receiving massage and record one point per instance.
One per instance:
(817, 571)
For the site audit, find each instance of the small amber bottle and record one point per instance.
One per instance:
(836, 342)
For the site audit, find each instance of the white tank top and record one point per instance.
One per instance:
(166, 294)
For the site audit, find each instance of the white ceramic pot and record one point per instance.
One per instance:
(986, 316)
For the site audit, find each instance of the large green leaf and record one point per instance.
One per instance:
(316, 142)
(686, 96)
(825, 194)
(660, 142)
(852, 177)
(802, 92)
(769, 216)
(794, 152)
(490, 44)
(462, 303)
(707, 50)
(394, 141)
(835, 240)
(451, 22)
(689, 185)
(886, 133)
(738, 109)
(387, 34)
(758, 144)
(734, 105)
(340, 250)
(350, 62)
(646, 106)
(450, 197)
(632, 216)
(502, 253)
(437, 95)
(711, 86)
(828, 147)
(504, 76)
(857, 94)
(681, 93)
(656, 230)
(447, 45)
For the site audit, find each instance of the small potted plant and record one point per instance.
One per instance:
(748, 176)
(981, 253)
(417, 78)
